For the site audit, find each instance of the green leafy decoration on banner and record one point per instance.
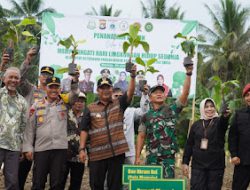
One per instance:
(57, 67)
(48, 20)
(190, 25)
(91, 97)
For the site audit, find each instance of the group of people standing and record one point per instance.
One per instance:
(58, 132)
(206, 142)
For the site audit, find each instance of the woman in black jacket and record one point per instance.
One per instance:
(205, 145)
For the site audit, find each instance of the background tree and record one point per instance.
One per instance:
(227, 55)
(105, 11)
(158, 9)
(29, 8)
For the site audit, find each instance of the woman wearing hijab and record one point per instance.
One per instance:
(205, 145)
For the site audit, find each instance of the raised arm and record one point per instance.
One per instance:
(186, 87)
(25, 86)
(131, 86)
(4, 61)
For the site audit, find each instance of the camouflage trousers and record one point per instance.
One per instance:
(167, 163)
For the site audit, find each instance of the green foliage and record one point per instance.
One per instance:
(147, 66)
(158, 9)
(134, 40)
(105, 11)
(65, 69)
(71, 42)
(48, 20)
(228, 51)
(91, 97)
(29, 8)
(188, 45)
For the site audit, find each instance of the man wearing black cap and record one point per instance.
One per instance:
(158, 127)
(32, 94)
(48, 126)
(103, 123)
(86, 85)
(238, 141)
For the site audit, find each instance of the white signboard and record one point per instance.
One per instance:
(103, 49)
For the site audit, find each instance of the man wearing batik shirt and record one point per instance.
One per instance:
(158, 128)
(74, 166)
(13, 109)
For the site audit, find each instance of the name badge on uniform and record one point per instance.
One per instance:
(98, 115)
(204, 144)
(124, 127)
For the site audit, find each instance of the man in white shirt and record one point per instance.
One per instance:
(132, 114)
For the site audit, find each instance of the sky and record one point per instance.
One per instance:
(194, 9)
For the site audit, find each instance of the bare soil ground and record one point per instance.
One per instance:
(85, 184)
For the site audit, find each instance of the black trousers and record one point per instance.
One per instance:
(10, 171)
(241, 177)
(110, 166)
(204, 179)
(76, 171)
(50, 162)
(24, 169)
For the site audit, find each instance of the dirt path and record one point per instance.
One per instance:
(85, 185)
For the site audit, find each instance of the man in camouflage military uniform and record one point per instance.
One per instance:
(86, 85)
(13, 109)
(48, 126)
(32, 94)
(158, 128)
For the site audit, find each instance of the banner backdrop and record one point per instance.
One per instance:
(103, 49)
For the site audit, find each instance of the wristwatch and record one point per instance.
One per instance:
(81, 149)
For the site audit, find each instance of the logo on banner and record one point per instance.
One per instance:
(148, 27)
(91, 25)
(112, 25)
(124, 25)
(102, 24)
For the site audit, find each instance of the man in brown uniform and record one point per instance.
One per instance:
(103, 123)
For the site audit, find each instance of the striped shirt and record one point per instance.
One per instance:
(104, 124)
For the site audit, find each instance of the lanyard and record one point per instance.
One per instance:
(206, 127)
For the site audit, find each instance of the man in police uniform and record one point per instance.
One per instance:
(86, 85)
(32, 94)
(48, 125)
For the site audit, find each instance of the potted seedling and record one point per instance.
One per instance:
(133, 41)
(71, 42)
(147, 67)
(188, 47)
